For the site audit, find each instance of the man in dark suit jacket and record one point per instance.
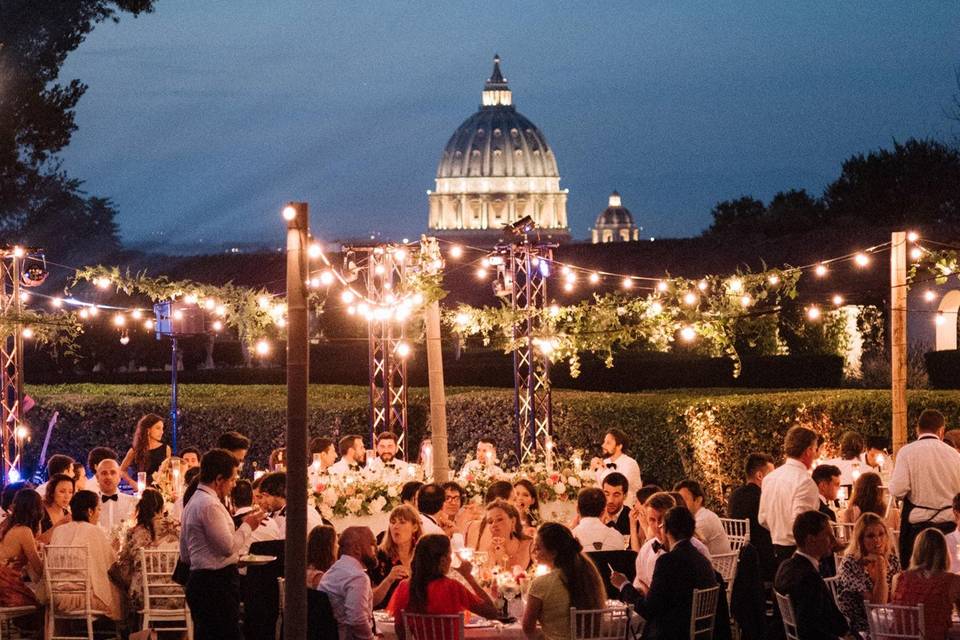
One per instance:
(616, 514)
(744, 504)
(799, 578)
(666, 607)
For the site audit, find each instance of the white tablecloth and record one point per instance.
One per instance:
(557, 511)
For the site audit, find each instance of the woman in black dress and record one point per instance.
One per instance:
(56, 504)
(148, 451)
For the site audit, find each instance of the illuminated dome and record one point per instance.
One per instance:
(615, 223)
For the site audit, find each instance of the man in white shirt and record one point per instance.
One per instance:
(347, 584)
(115, 506)
(614, 443)
(386, 454)
(352, 453)
(273, 492)
(592, 533)
(788, 491)
(430, 501)
(927, 477)
(210, 544)
(485, 463)
(709, 527)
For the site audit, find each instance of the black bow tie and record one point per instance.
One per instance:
(105, 498)
(611, 465)
(657, 547)
(389, 465)
(354, 467)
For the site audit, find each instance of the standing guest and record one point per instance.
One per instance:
(117, 507)
(153, 530)
(409, 491)
(485, 464)
(524, 498)
(57, 464)
(928, 582)
(386, 450)
(351, 455)
(638, 516)
(666, 606)
(869, 496)
(273, 489)
(799, 579)
(592, 533)
(56, 501)
(430, 591)
(709, 527)
(953, 538)
(744, 504)
(395, 553)
(926, 476)
(321, 553)
(236, 444)
(615, 442)
(327, 453)
(788, 491)
(572, 582)
(18, 549)
(615, 514)
(877, 459)
(277, 460)
(79, 477)
(867, 570)
(505, 543)
(850, 463)
(827, 479)
(99, 454)
(347, 584)
(210, 545)
(190, 457)
(148, 451)
(82, 530)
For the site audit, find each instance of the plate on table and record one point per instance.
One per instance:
(252, 558)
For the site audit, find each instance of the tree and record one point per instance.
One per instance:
(37, 199)
(743, 214)
(792, 211)
(917, 182)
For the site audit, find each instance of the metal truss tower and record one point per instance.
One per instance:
(11, 360)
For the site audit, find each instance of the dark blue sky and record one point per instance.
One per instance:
(202, 118)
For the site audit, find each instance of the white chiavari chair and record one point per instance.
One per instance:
(599, 624)
(67, 578)
(738, 532)
(895, 622)
(419, 626)
(163, 599)
(789, 617)
(703, 612)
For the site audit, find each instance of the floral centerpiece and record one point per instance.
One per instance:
(360, 493)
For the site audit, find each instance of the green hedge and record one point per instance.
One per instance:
(703, 434)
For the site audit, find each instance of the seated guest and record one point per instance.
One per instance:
(409, 491)
(928, 582)
(667, 604)
(430, 591)
(321, 553)
(851, 462)
(869, 496)
(235, 443)
(273, 489)
(57, 464)
(615, 443)
(506, 545)
(241, 499)
(953, 538)
(347, 584)
(79, 477)
(83, 530)
(573, 582)
(395, 553)
(430, 501)
(592, 533)
(744, 504)
(485, 464)
(867, 570)
(190, 457)
(386, 450)
(117, 507)
(638, 516)
(153, 530)
(56, 503)
(709, 527)
(9, 492)
(526, 502)
(325, 451)
(97, 455)
(455, 510)
(477, 533)
(827, 477)
(351, 455)
(799, 579)
(615, 514)
(18, 549)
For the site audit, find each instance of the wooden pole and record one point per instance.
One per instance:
(898, 337)
(298, 360)
(438, 397)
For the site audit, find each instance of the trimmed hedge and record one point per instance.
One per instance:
(704, 435)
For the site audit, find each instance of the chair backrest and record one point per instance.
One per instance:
(159, 589)
(422, 626)
(890, 621)
(703, 612)
(726, 565)
(599, 624)
(321, 625)
(789, 618)
(737, 530)
(66, 573)
(834, 588)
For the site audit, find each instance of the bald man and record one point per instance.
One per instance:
(115, 507)
(347, 584)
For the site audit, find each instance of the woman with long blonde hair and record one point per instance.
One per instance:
(929, 582)
(867, 570)
(395, 553)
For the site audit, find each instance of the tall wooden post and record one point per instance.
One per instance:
(298, 360)
(898, 337)
(438, 395)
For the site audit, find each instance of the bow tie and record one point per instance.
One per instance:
(658, 547)
(114, 497)
(389, 465)
(611, 465)
(355, 467)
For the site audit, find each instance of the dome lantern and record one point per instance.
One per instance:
(496, 93)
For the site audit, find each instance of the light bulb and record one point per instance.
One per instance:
(27, 333)
(913, 236)
(662, 286)
(326, 277)
(124, 340)
(400, 255)
(838, 299)
(861, 259)
(119, 320)
(94, 310)
(656, 308)
(594, 278)
(702, 285)
(735, 285)
(820, 270)
(263, 302)
(209, 304)
(314, 250)
(148, 324)
(690, 298)
(84, 314)
(462, 319)
(813, 312)
(289, 213)
(417, 298)
(773, 279)
(136, 314)
(929, 295)
(554, 310)
(568, 286)
(263, 347)
(746, 300)
(217, 325)
(190, 298)
(403, 349)
(178, 315)
(456, 251)
(939, 319)
(688, 333)
(628, 283)
(481, 273)
(57, 302)
(347, 296)
(18, 252)
(916, 253)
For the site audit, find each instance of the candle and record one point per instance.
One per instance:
(177, 478)
(489, 457)
(548, 447)
(880, 460)
(141, 481)
(316, 463)
(428, 460)
(577, 462)
(541, 570)
(411, 470)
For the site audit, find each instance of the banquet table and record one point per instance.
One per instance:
(555, 511)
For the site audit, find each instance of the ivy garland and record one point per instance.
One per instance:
(940, 264)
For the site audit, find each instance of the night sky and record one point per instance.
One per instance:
(203, 117)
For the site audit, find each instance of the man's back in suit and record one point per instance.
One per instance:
(744, 504)
(667, 604)
(816, 612)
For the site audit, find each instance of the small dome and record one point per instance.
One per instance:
(615, 215)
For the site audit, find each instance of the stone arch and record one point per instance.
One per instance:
(947, 326)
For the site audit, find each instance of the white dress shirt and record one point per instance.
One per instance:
(787, 491)
(476, 468)
(428, 525)
(848, 467)
(594, 535)
(647, 559)
(347, 585)
(711, 531)
(208, 539)
(953, 550)
(927, 472)
(341, 467)
(313, 520)
(628, 467)
(114, 512)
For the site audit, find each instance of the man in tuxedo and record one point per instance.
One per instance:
(666, 606)
(616, 515)
(116, 507)
(744, 504)
(798, 578)
(827, 477)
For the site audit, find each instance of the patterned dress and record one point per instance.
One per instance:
(128, 567)
(852, 581)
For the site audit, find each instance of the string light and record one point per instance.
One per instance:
(929, 295)
(217, 325)
(18, 252)
(916, 253)
(347, 296)
(84, 314)
(594, 278)
(837, 300)
(656, 308)
(481, 273)
(136, 314)
(820, 270)
(462, 319)
(314, 250)
(326, 278)
(209, 304)
(403, 349)
(456, 251)
(702, 285)
(289, 213)
(661, 286)
(262, 347)
(939, 319)
(190, 298)
(913, 236)
(813, 312)
(735, 285)
(94, 311)
(628, 283)
(102, 283)
(119, 320)
(774, 279)
(568, 286)
(690, 298)
(263, 302)
(861, 259)
(746, 300)
(220, 310)
(148, 324)
(27, 333)
(688, 333)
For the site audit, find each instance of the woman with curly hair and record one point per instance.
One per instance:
(148, 451)
(18, 549)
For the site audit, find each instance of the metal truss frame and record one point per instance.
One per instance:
(11, 362)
